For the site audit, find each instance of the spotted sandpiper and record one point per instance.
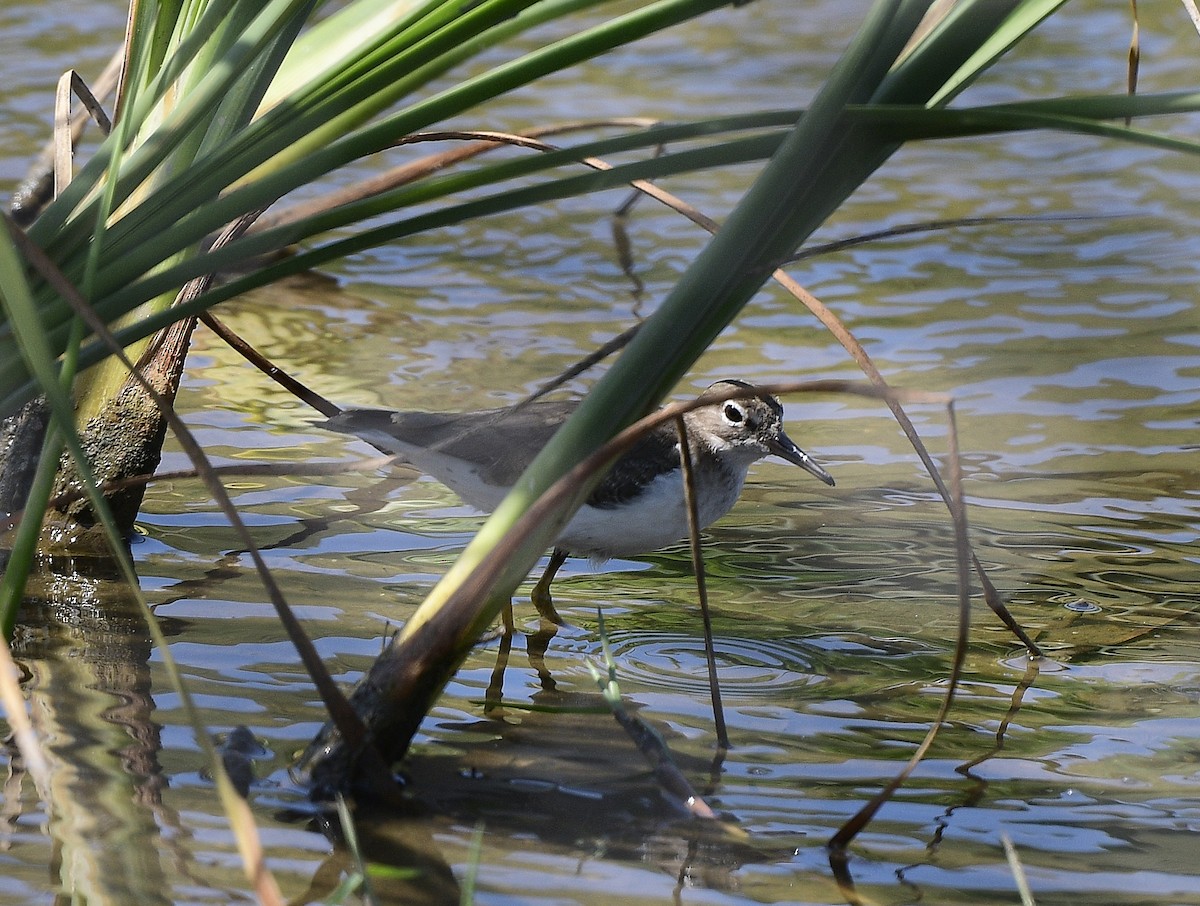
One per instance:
(637, 507)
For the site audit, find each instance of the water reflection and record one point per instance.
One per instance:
(85, 647)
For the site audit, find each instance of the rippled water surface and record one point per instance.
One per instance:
(1070, 347)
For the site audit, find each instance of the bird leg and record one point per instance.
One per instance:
(541, 592)
(538, 642)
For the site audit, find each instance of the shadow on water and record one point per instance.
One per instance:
(567, 781)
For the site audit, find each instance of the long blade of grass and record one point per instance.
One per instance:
(1021, 19)
(962, 559)
(909, 122)
(332, 697)
(17, 302)
(190, 210)
(16, 716)
(61, 405)
(710, 653)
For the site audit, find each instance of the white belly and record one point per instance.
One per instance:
(657, 518)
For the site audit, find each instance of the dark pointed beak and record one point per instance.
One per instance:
(785, 448)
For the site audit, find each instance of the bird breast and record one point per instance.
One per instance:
(656, 518)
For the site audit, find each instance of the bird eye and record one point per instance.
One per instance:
(734, 414)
